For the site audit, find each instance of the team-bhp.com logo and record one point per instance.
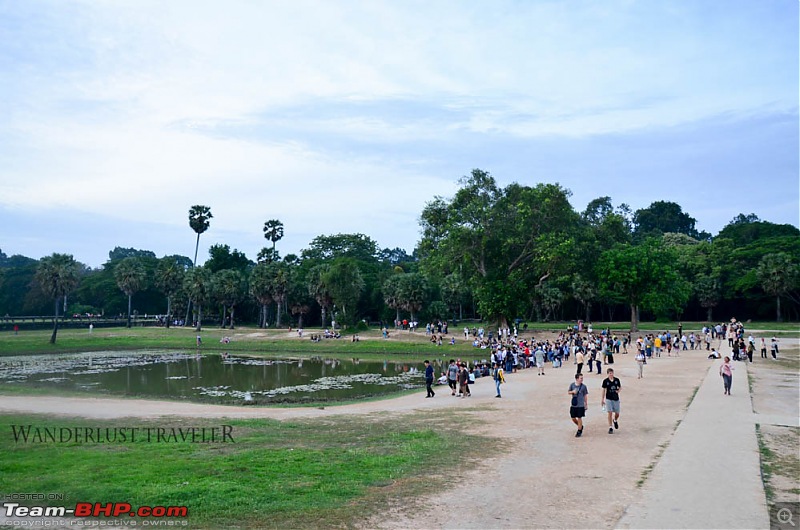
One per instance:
(88, 509)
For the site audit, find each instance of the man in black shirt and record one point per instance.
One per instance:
(610, 399)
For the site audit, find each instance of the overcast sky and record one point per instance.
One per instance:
(348, 116)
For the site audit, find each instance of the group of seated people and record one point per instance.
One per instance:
(328, 334)
(437, 339)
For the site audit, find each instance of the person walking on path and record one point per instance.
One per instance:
(726, 371)
(452, 376)
(499, 378)
(539, 357)
(764, 348)
(774, 348)
(578, 403)
(429, 379)
(463, 379)
(610, 400)
(640, 363)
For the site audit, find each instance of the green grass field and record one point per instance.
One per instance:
(299, 474)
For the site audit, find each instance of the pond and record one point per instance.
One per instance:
(212, 378)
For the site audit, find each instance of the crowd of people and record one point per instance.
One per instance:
(506, 353)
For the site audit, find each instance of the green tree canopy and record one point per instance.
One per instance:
(505, 241)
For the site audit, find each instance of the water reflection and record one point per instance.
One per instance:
(217, 378)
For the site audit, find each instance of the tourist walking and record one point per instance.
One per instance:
(764, 348)
(538, 355)
(463, 379)
(774, 348)
(640, 360)
(499, 378)
(578, 403)
(452, 376)
(429, 379)
(726, 371)
(610, 399)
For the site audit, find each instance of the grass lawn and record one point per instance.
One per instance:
(281, 343)
(299, 474)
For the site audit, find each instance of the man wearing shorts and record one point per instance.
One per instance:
(452, 376)
(610, 399)
(578, 403)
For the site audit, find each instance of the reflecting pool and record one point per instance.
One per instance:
(212, 378)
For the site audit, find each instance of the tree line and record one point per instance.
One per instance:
(489, 252)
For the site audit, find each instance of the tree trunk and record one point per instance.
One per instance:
(778, 306)
(55, 325)
(300, 321)
(129, 310)
(224, 314)
(634, 317)
(199, 317)
(278, 318)
(169, 310)
(233, 307)
(323, 316)
(588, 312)
(708, 314)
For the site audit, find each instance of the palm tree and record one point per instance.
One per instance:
(229, 289)
(318, 288)
(169, 278)
(199, 216)
(391, 292)
(260, 290)
(197, 284)
(345, 284)
(778, 275)
(279, 277)
(57, 275)
(131, 278)
(273, 231)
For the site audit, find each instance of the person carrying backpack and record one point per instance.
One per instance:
(499, 377)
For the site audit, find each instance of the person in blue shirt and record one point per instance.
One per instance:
(429, 379)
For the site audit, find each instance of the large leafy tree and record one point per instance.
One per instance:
(199, 221)
(644, 276)
(665, 216)
(131, 278)
(57, 275)
(273, 231)
(778, 275)
(503, 240)
(197, 285)
(169, 279)
(220, 257)
(746, 229)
